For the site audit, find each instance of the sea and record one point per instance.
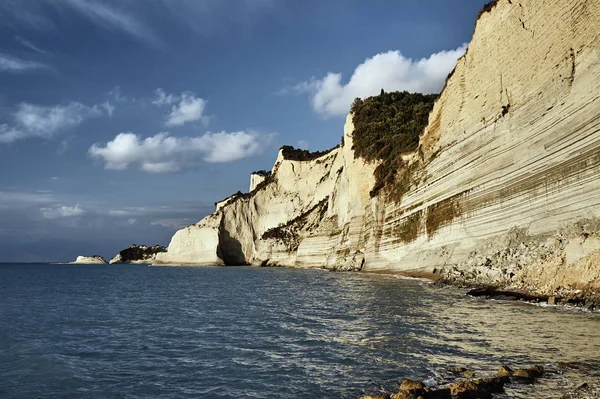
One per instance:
(136, 331)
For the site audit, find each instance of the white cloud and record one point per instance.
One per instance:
(390, 71)
(112, 18)
(303, 144)
(163, 98)
(58, 212)
(117, 97)
(62, 147)
(184, 108)
(30, 45)
(163, 153)
(303, 87)
(13, 199)
(8, 63)
(139, 19)
(108, 107)
(189, 109)
(31, 120)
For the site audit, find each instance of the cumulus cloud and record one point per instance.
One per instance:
(390, 71)
(58, 212)
(163, 153)
(31, 120)
(185, 108)
(8, 63)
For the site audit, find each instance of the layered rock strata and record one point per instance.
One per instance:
(504, 188)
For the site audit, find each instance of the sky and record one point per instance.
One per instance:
(124, 120)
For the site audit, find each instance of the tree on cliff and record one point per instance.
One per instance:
(387, 126)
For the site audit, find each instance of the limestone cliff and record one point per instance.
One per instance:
(505, 185)
(137, 254)
(89, 260)
(302, 214)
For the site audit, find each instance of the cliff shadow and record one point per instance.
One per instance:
(230, 249)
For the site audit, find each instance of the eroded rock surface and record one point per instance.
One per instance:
(504, 188)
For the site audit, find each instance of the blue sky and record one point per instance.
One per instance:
(122, 120)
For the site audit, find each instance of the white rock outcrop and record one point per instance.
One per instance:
(257, 178)
(89, 260)
(513, 142)
(137, 254)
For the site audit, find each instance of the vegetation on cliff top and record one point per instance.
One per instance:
(264, 173)
(386, 127)
(143, 252)
(487, 8)
(296, 154)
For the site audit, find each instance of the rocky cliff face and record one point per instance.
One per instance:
(505, 186)
(138, 254)
(301, 215)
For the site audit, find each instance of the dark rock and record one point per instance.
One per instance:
(492, 385)
(565, 365)
(465, 389)
(442, 393)
(505, 371)
(528, 375)
(412, 385)
(492, 293)
(462, 371)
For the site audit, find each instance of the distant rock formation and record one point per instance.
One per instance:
(504, 187)
(257, 178)
(89, 260)
(138, 254)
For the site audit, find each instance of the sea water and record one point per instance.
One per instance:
(121, 331)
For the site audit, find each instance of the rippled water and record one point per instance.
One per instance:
(168, 332)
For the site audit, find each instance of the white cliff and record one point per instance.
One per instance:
(89, 260)
(256, 178)
(512, 145)
(137, 254)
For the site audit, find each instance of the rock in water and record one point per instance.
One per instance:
(138, 254)
(89, 260)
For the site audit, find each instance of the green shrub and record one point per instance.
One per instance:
(386, 127)
(296, 154)
(264, 173)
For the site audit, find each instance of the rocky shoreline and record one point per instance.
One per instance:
(469, 385)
